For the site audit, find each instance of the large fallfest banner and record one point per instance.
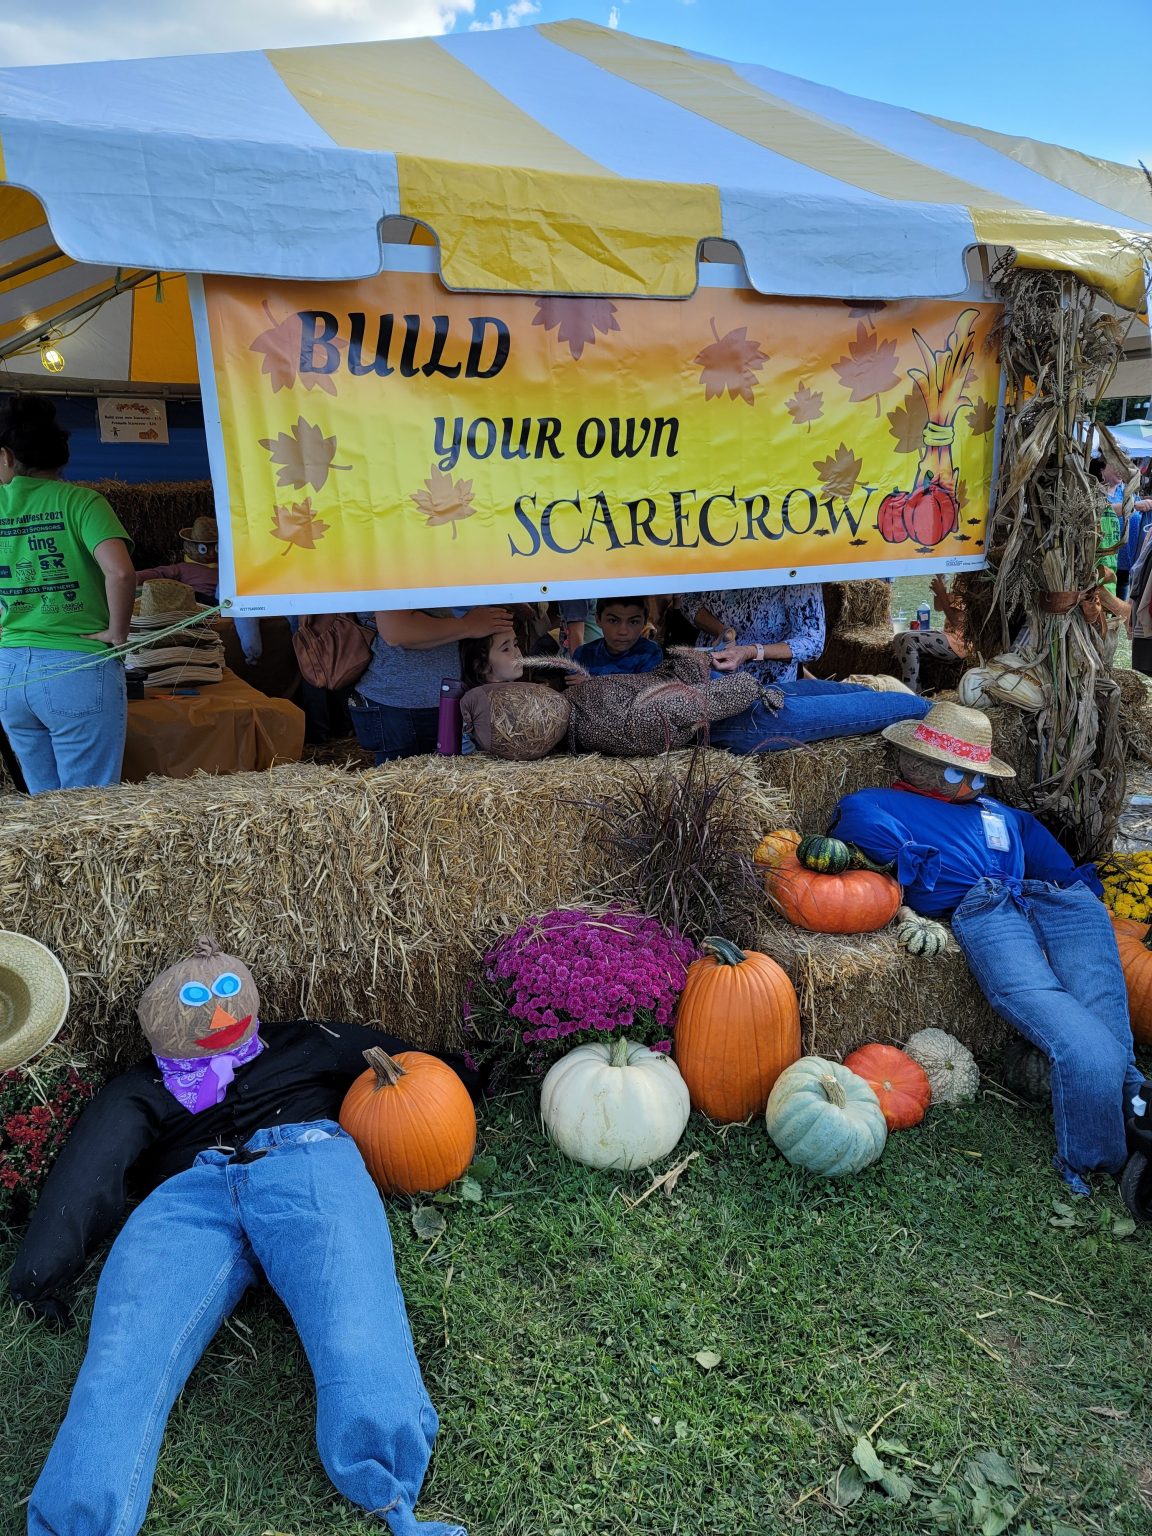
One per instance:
(388, 443)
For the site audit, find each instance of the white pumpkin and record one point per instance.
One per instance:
(614, 1105)
(952, 1071)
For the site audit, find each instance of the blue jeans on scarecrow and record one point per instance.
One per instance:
(306, 1214)
(1045, 958)
(813, 711)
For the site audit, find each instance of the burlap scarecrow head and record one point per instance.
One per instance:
(948, 753)
(201, 1006)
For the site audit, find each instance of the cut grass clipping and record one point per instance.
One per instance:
(939, 1345)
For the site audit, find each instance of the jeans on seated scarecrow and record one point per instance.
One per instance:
(234, 1129)
(813, 711)
(1038, 940)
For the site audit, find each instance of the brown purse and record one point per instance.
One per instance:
(332, 649)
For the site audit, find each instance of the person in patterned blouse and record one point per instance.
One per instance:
(770, 631)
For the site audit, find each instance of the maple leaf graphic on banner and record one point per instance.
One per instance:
(982, 417)
(576, 321)
(298, 525)
(869, 370)
(280, 344)
(864, 309)
(444, 500)
(839, 472)
(907, 422)
(304, 455)
(805, 406)
(730, 363)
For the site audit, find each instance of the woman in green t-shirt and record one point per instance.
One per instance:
(66, 592)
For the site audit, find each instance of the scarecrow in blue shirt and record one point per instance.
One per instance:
(1030, 923)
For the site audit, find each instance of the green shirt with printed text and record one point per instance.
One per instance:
(52, 592)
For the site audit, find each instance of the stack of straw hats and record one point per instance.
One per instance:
(190, 655)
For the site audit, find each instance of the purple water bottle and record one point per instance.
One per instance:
(450, 726)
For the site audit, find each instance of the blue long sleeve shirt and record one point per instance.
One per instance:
(941, 850)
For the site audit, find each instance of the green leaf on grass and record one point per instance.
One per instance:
(845, 1486)
(427, 1222)
(707, 1359)
(893, 1448)
(993, 1511)
(997, 1470)
(1060, 1529)
(950, 1511)
(896, 1486)
(482, 1169)
(1123, 1226)
(470, 1190)
(865, 1457)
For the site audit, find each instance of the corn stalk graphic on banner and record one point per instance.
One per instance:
(387, 443)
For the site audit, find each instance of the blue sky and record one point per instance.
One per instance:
(1048, 69)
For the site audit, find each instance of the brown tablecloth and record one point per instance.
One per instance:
(227, 728)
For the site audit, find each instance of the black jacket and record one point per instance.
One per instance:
(135, 1134)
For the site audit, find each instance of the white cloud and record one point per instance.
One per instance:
(511, 16)
(614, 17)
(107, 29)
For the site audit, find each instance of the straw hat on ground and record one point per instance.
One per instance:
(202, 531)
(951, 734)
(168, 599)
(33, 998)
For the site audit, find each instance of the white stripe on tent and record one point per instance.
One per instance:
(16, 247)
(908, 133)
(49, 293)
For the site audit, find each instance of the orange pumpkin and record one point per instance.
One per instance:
(774, 847)
(858, 901)
(900, 1083)
(1132, 940)
(737, 1028)
(931, 513)
(412, 1119)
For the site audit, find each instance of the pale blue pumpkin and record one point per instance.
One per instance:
(824, 1118)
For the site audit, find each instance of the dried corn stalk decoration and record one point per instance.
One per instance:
(1060, 343)
(942, 384)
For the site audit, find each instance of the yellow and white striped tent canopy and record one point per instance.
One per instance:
(563, 158)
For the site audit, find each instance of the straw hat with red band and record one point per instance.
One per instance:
(951, 734)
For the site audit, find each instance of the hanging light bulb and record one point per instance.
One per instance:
(51, 357)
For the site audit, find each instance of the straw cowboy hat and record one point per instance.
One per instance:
(170, 599)
(202, 531)
(951, 734)
(33, 998)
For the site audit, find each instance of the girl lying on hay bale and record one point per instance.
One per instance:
(1037, 940)
(233, 1128)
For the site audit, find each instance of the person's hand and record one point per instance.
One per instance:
(109, 637)
(482, 622)
(575, 679)
(732, 657)
(939, 589)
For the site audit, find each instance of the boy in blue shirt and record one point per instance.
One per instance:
(622, 647)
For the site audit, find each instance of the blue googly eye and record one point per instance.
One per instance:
(227, 985)
(954, 775)
(194, 994)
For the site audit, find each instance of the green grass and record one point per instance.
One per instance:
(559, 1325)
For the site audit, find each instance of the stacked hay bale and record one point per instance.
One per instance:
(858, 629)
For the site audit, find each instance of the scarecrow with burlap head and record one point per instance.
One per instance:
(232, 1129)
(200, 566)
(1036, 937)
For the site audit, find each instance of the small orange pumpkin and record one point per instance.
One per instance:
(774, 848)
(412, 1119)
(900, 1083)
(1133, 940)
(737, 1028)
(858, 901)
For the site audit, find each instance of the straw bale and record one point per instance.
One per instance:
(153, 514)
(857, 988)
(362, 895)
(1135, 714)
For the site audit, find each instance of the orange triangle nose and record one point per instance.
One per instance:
(220, 1019)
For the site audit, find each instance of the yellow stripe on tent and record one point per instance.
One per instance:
(1105, 182)
(20, 211)
(528, 231)
(715, 92)
(1100, 254)
(414, 98)
(57, 263)
(163, 350)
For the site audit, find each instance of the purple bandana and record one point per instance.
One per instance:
(199, 1082)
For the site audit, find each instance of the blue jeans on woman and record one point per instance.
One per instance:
(813, 711)
(1045, 957)
(302, 1210)
(390, 731)
(66, 714)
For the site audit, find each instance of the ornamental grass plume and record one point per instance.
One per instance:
(572, 976)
